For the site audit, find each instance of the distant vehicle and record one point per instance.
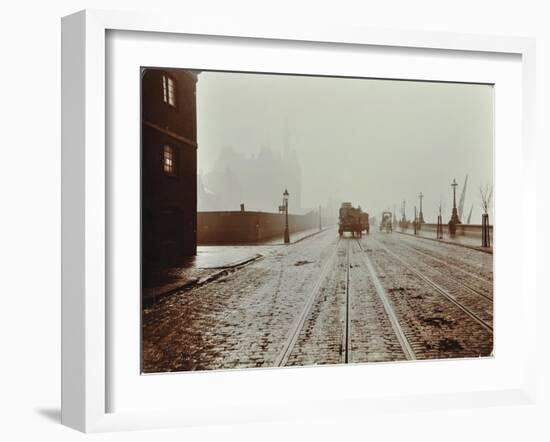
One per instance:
(365, 222)
(404, 224)
(386, 222)
(353, 220)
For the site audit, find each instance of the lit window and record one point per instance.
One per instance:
(169, 90)
(169, 160)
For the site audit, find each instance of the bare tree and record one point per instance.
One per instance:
(486, 197)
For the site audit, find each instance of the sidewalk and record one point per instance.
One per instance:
(211, 263)
(470, 242)
(296, 236)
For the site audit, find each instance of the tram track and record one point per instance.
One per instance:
(457, 265)
(438, 288)
(298, 339)
(311, 334)
(466, 286)
(390, 312)
(347, 330)
(282, 359)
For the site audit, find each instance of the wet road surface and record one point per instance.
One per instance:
(329, 300)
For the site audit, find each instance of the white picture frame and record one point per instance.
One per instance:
(86, 206)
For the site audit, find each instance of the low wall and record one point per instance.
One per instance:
(470, 230)
(249, 227)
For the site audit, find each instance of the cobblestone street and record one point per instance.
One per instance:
(325, 300)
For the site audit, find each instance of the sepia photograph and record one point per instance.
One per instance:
(296, 220)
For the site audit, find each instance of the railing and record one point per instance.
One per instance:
(472, 230)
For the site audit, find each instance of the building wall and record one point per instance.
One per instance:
(169, 201)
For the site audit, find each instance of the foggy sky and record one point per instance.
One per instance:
(371, 142)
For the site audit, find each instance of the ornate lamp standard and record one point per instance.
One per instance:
(285, 204)
(454, 217)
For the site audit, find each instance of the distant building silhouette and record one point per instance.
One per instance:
(258, 181)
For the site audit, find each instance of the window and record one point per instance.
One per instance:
(168, 161)
(169, 90)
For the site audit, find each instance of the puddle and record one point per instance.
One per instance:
(301, 263)
(449, 345)
(438, 322)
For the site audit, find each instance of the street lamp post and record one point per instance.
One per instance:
(421, 215)
(285, 204)
(454, 216)
(439, 224)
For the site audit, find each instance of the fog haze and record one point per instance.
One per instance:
(371, 142)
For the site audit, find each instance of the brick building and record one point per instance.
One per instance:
(169, 165)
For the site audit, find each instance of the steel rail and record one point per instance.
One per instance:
(347, 341)
(438, 288)
(467, 286)
(282, 358)
(473, 275)
(399, 333)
